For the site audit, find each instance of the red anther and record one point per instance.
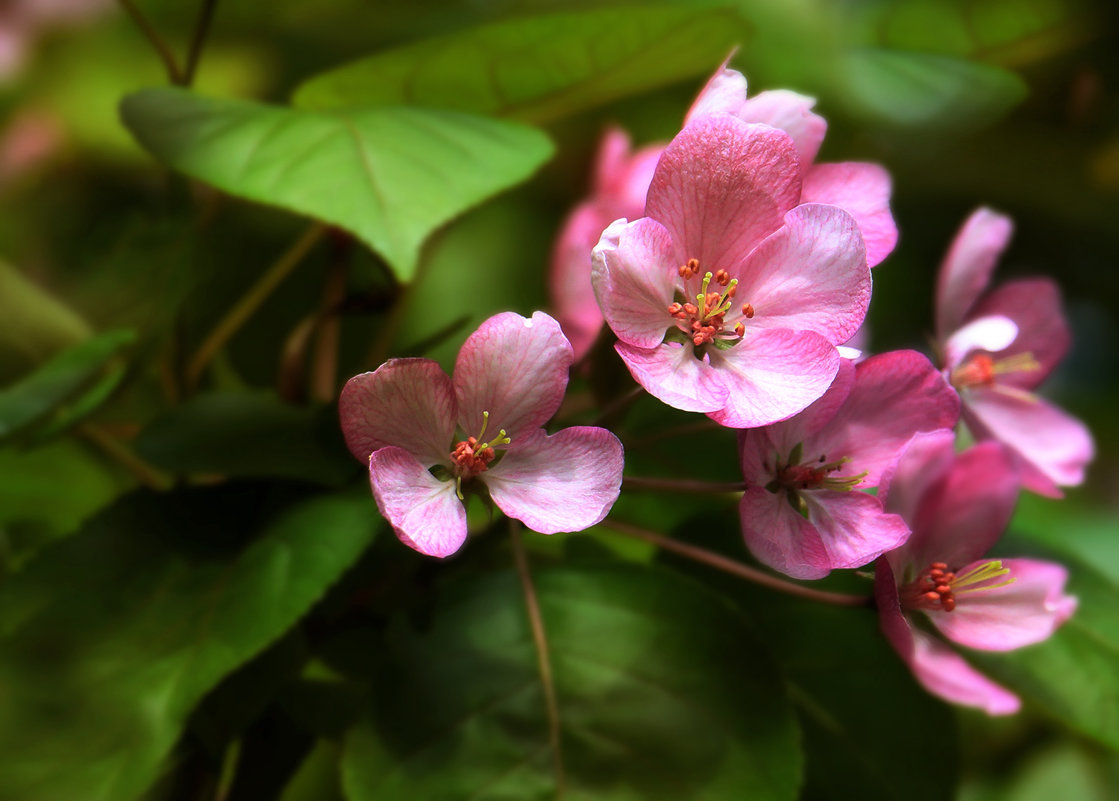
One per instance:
(732, 291)
(949, 603)
(932, 596)
(691, 308)
(740, 329)
(693, 265)
(722, 277)
(943, 589)
(748, 310)
(698, 340)
(675, 308)
(939, 566)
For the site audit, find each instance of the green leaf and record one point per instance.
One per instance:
(663, 693)
(390, 176)
(60, 379)
(1072, 675)
(536, 68)
(932, 92)
(33, 325)
(114, 635)
(249, 435)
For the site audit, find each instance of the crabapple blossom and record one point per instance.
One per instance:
(509, 379)
(958, 505)
(996, 347)
(800, 513)
(729, 298)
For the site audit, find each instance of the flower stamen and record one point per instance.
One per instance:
(980, 370)
(473, 455)
(937, 588)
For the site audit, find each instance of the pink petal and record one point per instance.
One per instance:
(895, 396)
(792, 113)
(564, 482)
(938, 668)
(863, 191)
(778, 536)
(853, 527)
(991, 333)
(1055, 447)
(724, 92)
(966, 270)
(621, 179)
(424, 512)
(925, 461)
(1034, 304)
(514, 368)
(570, 278)
(671, 373)
(409, 403)
(809, 275)
(963, 515)
(772, 374)
(634, 277)
(721, 187)
(1019, 614)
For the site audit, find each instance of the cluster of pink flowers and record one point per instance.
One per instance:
(732, 268)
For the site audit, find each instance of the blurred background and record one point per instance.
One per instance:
(1012, 104)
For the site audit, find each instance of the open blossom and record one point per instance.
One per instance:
(621, 180)
(729, 298)
(429, 438)
(999, 346)
(958, 505)
(801, 513)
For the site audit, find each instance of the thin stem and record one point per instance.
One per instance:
(147, 475)
(543, 661)
(201, 28)
(687, 429)
(619, 403)
(720, 562)
(324, 357)
(681, 485)
(173, 73)
(251, 301)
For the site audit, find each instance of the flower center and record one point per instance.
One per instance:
(980, 369)
(473, 455)
(938, 588)
(704, 320)
(793, 475)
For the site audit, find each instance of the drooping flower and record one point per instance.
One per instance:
(801, 513)
(728, 298)
(860, 188)
(621, 179)
(958, 506)
(429, 438)
(997, 347)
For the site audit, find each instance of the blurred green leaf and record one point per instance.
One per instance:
(1072, 675)
(317, 777)
(249, 435)
(390, 176)
(663, 693)
(59, 380)
(1057, 771)
(33, 325)
(115, 634)
(536, 68)
(931, 92)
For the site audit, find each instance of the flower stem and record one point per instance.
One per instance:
(681, 485)
(173, 73)
(147, 475)
(251, 301)
(201, 28)
(720, 562)
(544, 662)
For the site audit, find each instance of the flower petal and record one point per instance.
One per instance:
(863, 191)
(853, 527)
(409, 403)
(424, 512)
(671, 373)
(1019, 614)
(771, 375)
(792, 113)
(779, 537)
(1034, 304)
(924, 462)
(895, 395)
(938, 668)
(564, 482)
(809, 275)
(991, 333)
(634, 277)
(570, 278)
(724, 93)
(966, 270)
(721, 187)
(621, 178)
(514, 368)
(1054, 446)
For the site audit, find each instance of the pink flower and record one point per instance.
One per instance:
(861, 189)
(958, 506)
(800, 514)
(999, 346)
(728, 298)
(621, 180)
(509, 379)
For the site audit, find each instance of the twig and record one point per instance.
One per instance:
(147, 475)
(173, 72)
(201, 28)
